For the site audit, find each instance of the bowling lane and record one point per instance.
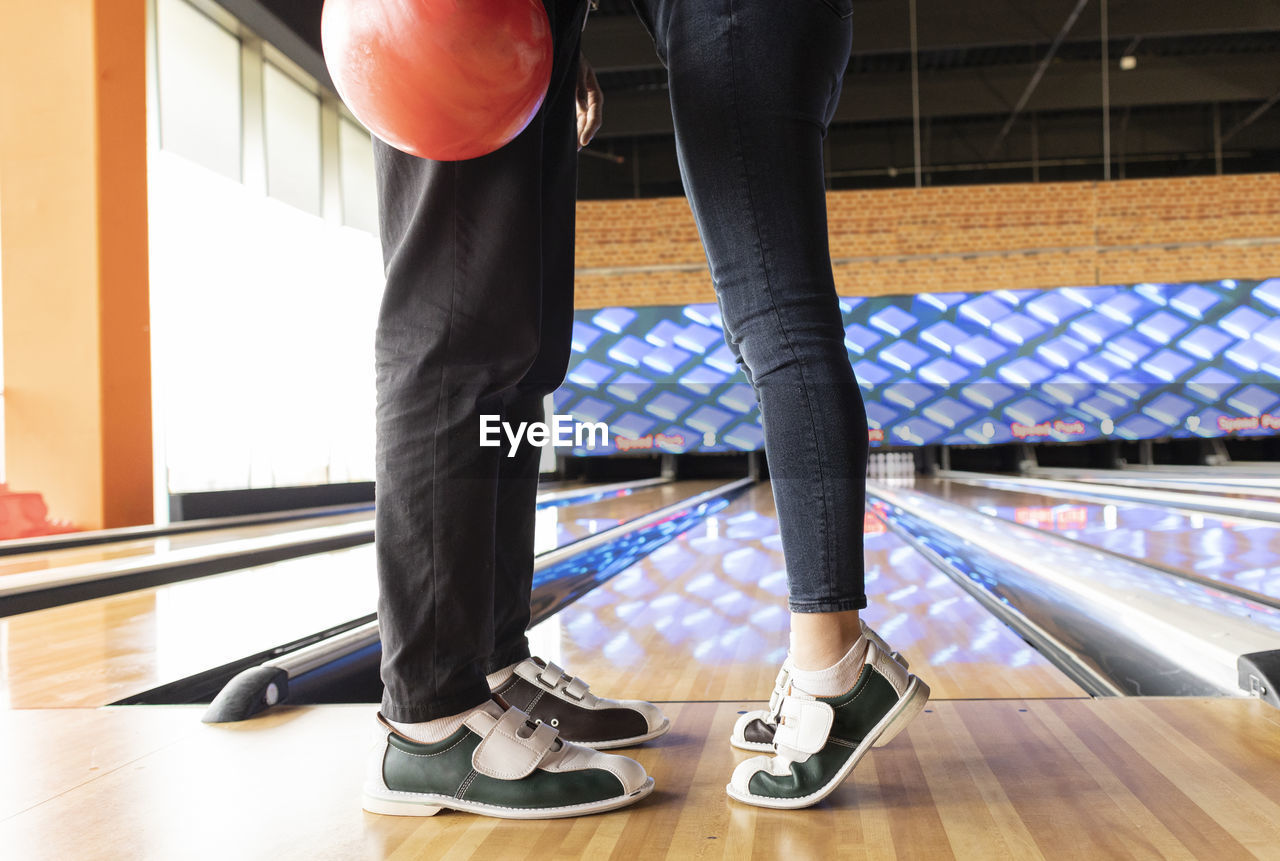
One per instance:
(1262, 468)
(117, 550)
(585, 519)
(704, 618)
(558, 526)
(1238, 553)
(1226, 485)
(95, 652)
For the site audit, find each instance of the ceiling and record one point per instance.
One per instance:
(1198, 99)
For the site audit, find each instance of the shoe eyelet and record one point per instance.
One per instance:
(538, 721)
(555, 722)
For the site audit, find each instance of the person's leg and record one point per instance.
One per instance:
(513, 554)
(518, 475)
(819, 640)
(546, 692)
(752, 90)
(458, 331)
(444, 358)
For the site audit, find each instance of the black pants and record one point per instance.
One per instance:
(475, 320)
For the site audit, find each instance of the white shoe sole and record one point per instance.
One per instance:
(626, 742)
(894, 722)
(390, 802)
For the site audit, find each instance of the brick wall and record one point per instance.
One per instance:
(963, 238)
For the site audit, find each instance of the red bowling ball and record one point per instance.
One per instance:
(440, 79)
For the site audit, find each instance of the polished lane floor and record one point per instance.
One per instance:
(639, 500)
(1243, 553)
(96, 652)
(1235, 484)
(117, 550)
(704, 618)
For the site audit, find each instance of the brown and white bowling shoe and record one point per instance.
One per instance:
(549, 695)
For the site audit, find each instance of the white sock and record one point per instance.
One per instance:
(498, 678)
(836, 679)
(432, 731)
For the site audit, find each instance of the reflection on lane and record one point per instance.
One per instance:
(559, 524)
(705, 618)
(149, 546)
(1243, 554)
(94, 652)
(1235, 486)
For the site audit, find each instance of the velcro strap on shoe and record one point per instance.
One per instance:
(576, 689)
(804, 724)
(551, 676)
(514, 747)
(884, 664)
(779, 691)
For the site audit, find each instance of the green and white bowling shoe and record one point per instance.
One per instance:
(819, 740)
(498, 763)
(754, 729)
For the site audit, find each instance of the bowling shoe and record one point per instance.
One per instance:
(550, 696)
(819, 740)
(498, 763)
(754, 729)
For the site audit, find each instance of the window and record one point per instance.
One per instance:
(292, 121)
(199, 85)
(359, 188)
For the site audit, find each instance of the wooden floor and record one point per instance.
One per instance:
(1010, 760)
(1076, 778)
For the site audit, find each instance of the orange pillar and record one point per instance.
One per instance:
(73, 257)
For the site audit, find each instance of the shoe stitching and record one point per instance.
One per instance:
(854, 699)
(429, 755)
(515, 689)
(466, 784)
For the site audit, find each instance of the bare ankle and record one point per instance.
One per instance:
(820, 640)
